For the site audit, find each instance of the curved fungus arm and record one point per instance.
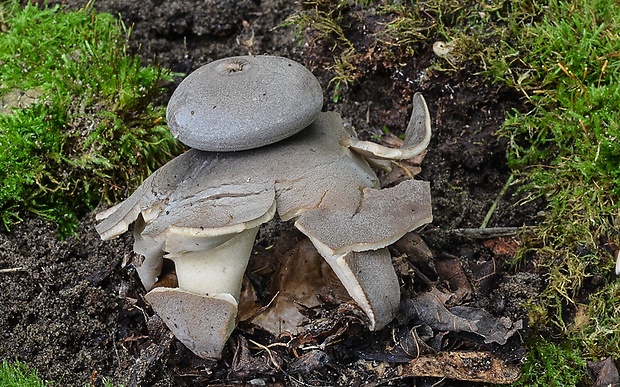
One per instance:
(201, 312)
(381, 218)
(148, 199)
(202, 323)
(353, 242)
(417, 136)
(209, 264)
(370, 279)
(151, 255)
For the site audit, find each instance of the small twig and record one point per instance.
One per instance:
(484, 233)
(264, 308)
(419, 274)
(602, 72)
(266, 349)
(118, 359)
(487, 218)
(12, 270)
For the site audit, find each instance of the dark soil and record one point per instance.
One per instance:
(73, 309)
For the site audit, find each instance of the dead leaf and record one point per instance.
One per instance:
(245, 365)
(398, 171)
(313, 360)
(492, 329)
(402, 170)
(412, 345)
(502, 247)
(168, 280)
(248, 301)
(604, 373)
(414, 247)
(328, 323)
(429, 308)
(473, 366)
(302, 276)
(418, 258)
(408, 346)
(484, 273)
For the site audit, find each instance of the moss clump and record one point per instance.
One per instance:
(17, 374)
(566, 148)
(77, 114)
(550, 364)
(476, 32)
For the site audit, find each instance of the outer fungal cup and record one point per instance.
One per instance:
(202, 209)
(370, 279)
(243, 102)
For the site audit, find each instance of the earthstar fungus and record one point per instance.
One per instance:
(202, 210)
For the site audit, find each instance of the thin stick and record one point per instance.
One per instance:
(264, 308)
(484, 233)
(487, 218)
(12, 270)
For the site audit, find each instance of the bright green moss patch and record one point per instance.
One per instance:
(77, 114)
(550, 364)
(567, 150)
(16, 374)
(567, 147)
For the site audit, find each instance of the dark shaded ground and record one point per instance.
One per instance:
(73, 311)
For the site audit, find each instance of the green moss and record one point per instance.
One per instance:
(325, 17)
(477, 32)
(77, 114)
(549, 364)
(566, 150)
(17, 374)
